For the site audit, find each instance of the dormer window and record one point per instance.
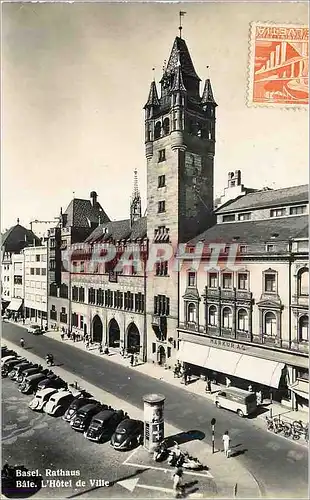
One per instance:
(277, 212)
(229, 218)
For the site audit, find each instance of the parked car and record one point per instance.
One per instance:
(55, 382)
(18, 369)
(58, 403)
(76, 404)
(41, 398)
(29, 371)
(129, 433)
(104, 424)
(7, 352)
(232, 398)
(35, 329)
(8, 365)
(6, 358)
(30, 384)
(84, 415)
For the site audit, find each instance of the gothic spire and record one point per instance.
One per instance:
(135, 193)
(178, 84)
(153, 96)
(207, 95)
(187, 67)
(135, 205)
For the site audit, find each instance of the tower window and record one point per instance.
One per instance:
(157, 132)
(161, 155)
(166, 126)
(161, 206)
(161, 181)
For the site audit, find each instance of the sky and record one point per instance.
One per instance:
(75, 78)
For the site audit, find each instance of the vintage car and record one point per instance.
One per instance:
(84, 415)
(35, 329)
(76, 404)
(7, 352)
(9, 365)
(18, 369)
(29, 371)
(41, 398)
(55, 382)
(128, 434)
(30, 384)
(58, 403)
(6, 358)
(104, 424)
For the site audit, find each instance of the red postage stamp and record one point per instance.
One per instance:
(278, 66)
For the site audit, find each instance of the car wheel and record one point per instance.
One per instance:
(240, 413)
(217, 404)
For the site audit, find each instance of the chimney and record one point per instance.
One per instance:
(93, 196)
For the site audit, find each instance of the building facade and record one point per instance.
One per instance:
(248, 319)
(35, 284)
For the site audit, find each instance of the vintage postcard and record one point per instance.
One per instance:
(154, 250)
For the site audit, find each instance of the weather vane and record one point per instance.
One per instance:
(181, 14)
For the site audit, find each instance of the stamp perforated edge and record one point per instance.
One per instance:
(250, 72)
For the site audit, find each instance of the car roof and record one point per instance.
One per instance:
(46, 391)
(104, 415)
(129, 422)
(35, 376)
(236, 390)
(61, 394)
(88, 406)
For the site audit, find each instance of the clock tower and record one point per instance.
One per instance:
(179, 146)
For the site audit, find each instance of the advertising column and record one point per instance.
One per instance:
(154, 431)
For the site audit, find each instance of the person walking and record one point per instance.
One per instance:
(226, 442)
(208, 386)
(100, 349)
(177, 481)
(73, 336)
(62, 335)
(132, 360)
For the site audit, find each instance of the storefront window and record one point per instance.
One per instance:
(227, 317)
(243, 320)
(270, 324)
(212, 316)
(191, 313)
(304, 328)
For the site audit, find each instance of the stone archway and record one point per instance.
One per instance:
(133, 339)
(114, 333)
(161, 355)
(97, 329)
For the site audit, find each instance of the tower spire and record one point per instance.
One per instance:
(181, 14)
(135, 193)
(135, 205)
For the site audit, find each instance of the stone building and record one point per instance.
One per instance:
(248, 319)
(35, 283)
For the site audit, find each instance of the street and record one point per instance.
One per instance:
(279, 466)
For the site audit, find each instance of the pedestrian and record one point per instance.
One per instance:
(228, 382)
(63, 330)
(62, 335)
(132, 360)
(87, 345)
(177, 481)
(250, 388)
(226, 442)
(208, 386)
(23, 320)
(259, 397)
(106, 350)
(122, 352)
(136, 359)
(185, 377)
(73, 336)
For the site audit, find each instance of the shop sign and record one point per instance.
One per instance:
(229, 344)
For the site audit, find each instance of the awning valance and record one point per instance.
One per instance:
(15, 305)
(258, 370)
(301, 388)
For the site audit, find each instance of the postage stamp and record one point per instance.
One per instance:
(278, 65)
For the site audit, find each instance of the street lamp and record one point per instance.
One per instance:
(213, 422)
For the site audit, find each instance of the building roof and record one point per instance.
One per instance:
(119, 230)
(153, 97)
(256, 231)
(269, 198)
(180, 52)
(18, 237)
(81, 213)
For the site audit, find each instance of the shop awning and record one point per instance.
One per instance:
(258, 370)
(15, 304)
(301, 388)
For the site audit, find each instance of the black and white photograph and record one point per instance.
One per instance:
(154, 250)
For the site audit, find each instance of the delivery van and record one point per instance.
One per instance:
(237, 400)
